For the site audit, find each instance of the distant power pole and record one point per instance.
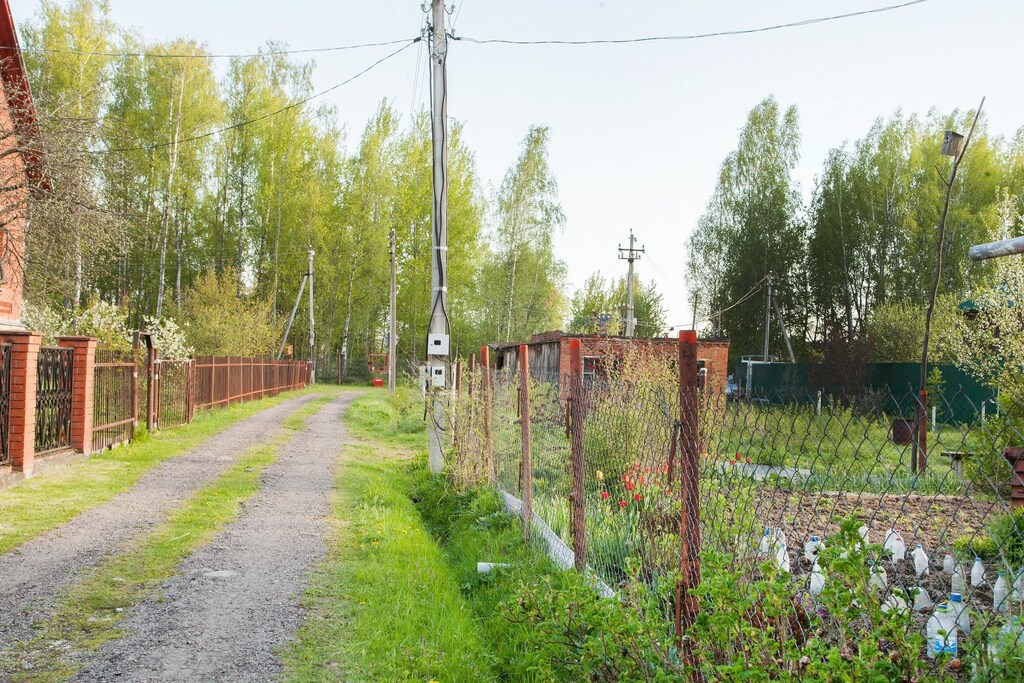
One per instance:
(312, 334)
(438, 339)
(631, 254)
(767, 316)
(392, 342)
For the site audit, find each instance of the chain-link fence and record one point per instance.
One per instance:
(781, 529)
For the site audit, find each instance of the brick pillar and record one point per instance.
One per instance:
(81, 390)
(22, 434)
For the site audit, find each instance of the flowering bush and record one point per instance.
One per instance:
(168, 338)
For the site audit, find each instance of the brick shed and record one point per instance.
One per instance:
(549, 354)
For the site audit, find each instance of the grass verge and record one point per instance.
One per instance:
(89, 614)
(45, 502)
(398, 597)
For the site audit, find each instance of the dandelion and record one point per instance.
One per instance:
(605, 495)
(600, 475)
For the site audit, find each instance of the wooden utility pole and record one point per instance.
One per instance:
(312, 334)
(392, 325)
(631, 255)
(291, 318)
(767, 317)
(438, 332)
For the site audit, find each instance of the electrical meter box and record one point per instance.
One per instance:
(437, 344)
(437, 376)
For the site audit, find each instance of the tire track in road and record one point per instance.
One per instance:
(236, 600)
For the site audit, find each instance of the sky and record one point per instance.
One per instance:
(638, 131)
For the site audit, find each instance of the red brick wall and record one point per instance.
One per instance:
(12, 219)
(715, 353)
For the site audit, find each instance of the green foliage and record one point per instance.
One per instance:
(168, 338)
(97, 319)
(218, 322)
(598, 296)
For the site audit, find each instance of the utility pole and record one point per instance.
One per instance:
(312, 346)
(632, 254)
(767, 316)
(392, 342)
(782, 326)
(291, 318)
(438, 339)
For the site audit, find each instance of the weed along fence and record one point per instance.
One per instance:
(783, 534)
(75, 397)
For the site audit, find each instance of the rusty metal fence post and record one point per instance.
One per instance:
(151, 389)
(689, 516)
(524, 421)
(577, 495)
(485, 367)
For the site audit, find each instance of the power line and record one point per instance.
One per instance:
(694, 36)
(754, 290)
(293, 105)
(180, 55)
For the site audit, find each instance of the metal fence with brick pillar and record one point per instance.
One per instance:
(24, 353)
(84, 349)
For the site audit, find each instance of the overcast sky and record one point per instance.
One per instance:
(638, 132)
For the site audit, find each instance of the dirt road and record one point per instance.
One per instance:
(236, 601)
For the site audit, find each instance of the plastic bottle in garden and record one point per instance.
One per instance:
(1011, 635)
(1001, 594)
(895, 603)
(947, 563)
(959, 583)
(977, 573)
(812, 548)
(879, 578)
(922, 600)
(942, 632)
(894, 544)
(782, 557)
(920, 561)
(1018, 585)
(864, 534)
(765, 546)
(817, 583)
(960, 612)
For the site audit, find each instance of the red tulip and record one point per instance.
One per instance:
(629, 486)
(605, 495)
(636, 497)
(622, 503)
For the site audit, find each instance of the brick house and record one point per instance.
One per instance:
(549, 354)
(21, 169)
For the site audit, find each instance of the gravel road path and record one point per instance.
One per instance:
(237, 599)
(34, 573)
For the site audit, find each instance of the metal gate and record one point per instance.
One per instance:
(54, 378)
(5, 402)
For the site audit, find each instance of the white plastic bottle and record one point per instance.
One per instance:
(920, 561)
(1018, 585)
(817, 584)
(977, 573)
(764, 548)
(782, 557)
(812, 548)
(947, 563)
(879, 579)
(922, 600)
(960, 612)
(942, 632)
(864, 534)
(895, 603)
(959, 583)
(1001, 594)
(894, 544)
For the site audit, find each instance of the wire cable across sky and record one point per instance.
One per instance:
(240, 124)
(693, 36)
(271, 52)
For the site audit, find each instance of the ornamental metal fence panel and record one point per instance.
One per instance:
(54, 381)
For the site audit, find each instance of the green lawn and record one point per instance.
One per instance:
(398, 597)
(52, 498)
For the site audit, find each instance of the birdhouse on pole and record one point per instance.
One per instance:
(952, 144)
